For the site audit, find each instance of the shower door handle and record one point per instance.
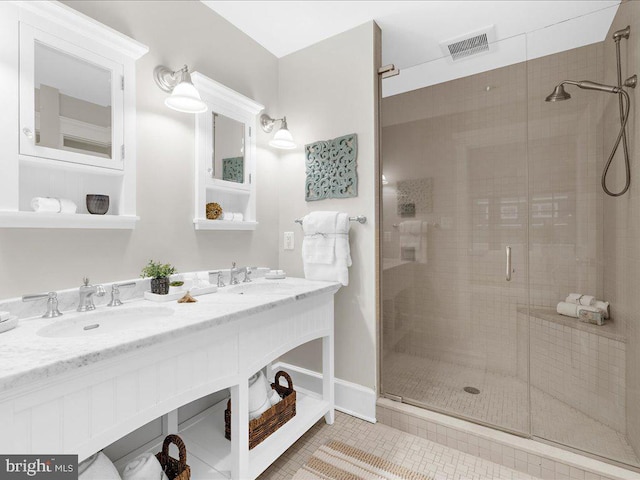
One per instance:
(508, 250)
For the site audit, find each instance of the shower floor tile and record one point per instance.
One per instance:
(503, 401)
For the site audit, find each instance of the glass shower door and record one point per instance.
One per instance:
(455, 317)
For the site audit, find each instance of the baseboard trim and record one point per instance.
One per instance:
(351, 398)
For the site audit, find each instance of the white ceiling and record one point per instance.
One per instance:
(413, 30)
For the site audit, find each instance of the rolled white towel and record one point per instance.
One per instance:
(238, 217)
(580, 299)
(53, 205)
(567, 309)
(274, 398)
(227, 216)
(144, 467)
(98, 467)
(600, 305)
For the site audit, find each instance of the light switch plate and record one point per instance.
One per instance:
(288, 240)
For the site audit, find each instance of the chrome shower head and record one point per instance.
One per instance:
(558, 94)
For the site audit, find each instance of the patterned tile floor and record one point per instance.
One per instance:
(503, 401)
(437, 461)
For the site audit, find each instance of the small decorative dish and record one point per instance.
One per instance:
(175, 296)
(9, 324)
(276, 275)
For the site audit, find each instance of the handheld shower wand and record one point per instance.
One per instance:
(560, 94)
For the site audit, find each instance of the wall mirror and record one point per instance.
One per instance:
(228, 148)
(71, 101)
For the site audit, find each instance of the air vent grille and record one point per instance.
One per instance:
(469, 46)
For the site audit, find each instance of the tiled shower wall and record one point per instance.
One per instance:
(622, 214)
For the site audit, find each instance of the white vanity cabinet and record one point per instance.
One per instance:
(83, 408)
(225, 147)
(68, 86)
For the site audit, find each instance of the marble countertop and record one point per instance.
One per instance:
(27, 356)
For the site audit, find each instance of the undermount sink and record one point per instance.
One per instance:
(105, 322)
(275, 288)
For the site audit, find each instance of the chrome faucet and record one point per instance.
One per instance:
(247, 274)
(52, 303)
(115, 293)
(219, 283)
(87, 292)
(233, 274)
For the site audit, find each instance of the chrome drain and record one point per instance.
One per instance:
(471, 390)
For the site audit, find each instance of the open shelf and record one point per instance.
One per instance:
(209, 452)
(206, 224)
(66, 220)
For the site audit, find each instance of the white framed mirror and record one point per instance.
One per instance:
(71, 102)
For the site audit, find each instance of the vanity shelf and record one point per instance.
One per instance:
(209, 452)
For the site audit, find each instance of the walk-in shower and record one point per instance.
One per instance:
(485, 176)
(559, 94)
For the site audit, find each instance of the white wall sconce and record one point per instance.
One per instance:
(283, 138)
(184, 95)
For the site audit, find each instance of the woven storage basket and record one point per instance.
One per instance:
(271, 420)
(174, 469)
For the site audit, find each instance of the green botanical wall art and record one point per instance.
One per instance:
(332, 168)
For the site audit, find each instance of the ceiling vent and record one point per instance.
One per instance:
(470, 44)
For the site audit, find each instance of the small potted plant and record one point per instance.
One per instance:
(159, 274)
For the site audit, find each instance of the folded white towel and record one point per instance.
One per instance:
(580, 299)
(98, 467)
(567, 309)
(600, 305)
(4, 316)
(144, 467)
(338, 270)
(319, 241)
(53, 205)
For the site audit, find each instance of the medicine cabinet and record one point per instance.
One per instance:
(71, 86)
(225, 157)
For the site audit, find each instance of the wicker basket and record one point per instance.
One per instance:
(174, 469)
(271, 420)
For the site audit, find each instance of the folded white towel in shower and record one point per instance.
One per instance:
(338, 269)
(98, 467)
(603, 307)
(53, 205)
(319, 244)
(568, 309)
(144, 467)
(580, 299)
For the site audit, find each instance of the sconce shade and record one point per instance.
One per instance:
(184, 95)
(185, 98)
(283, 139)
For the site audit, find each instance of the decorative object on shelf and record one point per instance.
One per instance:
(159, 274)
(184, 95)
(282, 138)
(233, 169)
(187, 298)
(97, 204)
(332, 168)
(415, 194)
(272, 419)
(213, 211)
(174, 469)
(53, 205)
